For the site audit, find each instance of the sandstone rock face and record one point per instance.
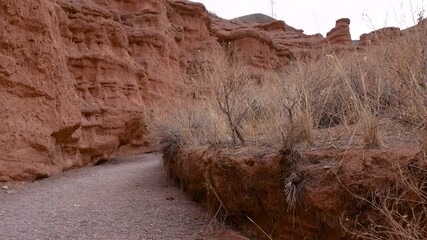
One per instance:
(340, 34)
(265, 45)
(376, 37)
(79, 77)
(39, 104)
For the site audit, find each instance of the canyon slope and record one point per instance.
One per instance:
(80, 78)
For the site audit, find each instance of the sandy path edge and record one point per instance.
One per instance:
(125, 198)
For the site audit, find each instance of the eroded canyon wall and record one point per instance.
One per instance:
(78, 78)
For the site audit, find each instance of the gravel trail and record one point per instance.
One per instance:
(126, 198)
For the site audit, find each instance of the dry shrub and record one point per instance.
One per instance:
(252, 111)
(228, 89)
(191, 123)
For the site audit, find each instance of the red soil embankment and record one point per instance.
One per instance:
(254, 188)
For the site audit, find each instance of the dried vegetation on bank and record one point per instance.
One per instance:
(372, 98)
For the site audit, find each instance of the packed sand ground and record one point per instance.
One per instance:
(126, 198)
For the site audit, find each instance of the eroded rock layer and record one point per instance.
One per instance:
(340, 34)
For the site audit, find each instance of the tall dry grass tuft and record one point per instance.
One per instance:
(394, 211)
(370, 130)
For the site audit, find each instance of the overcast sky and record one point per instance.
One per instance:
(315, 16)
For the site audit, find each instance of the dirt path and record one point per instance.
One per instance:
(127, 198)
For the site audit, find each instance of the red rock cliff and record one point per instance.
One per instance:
(78, 76)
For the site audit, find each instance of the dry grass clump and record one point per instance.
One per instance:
(370, 129)
(396, 211)
(194, 123)
(292, 189)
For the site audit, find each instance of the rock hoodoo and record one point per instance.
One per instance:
(340, 34)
